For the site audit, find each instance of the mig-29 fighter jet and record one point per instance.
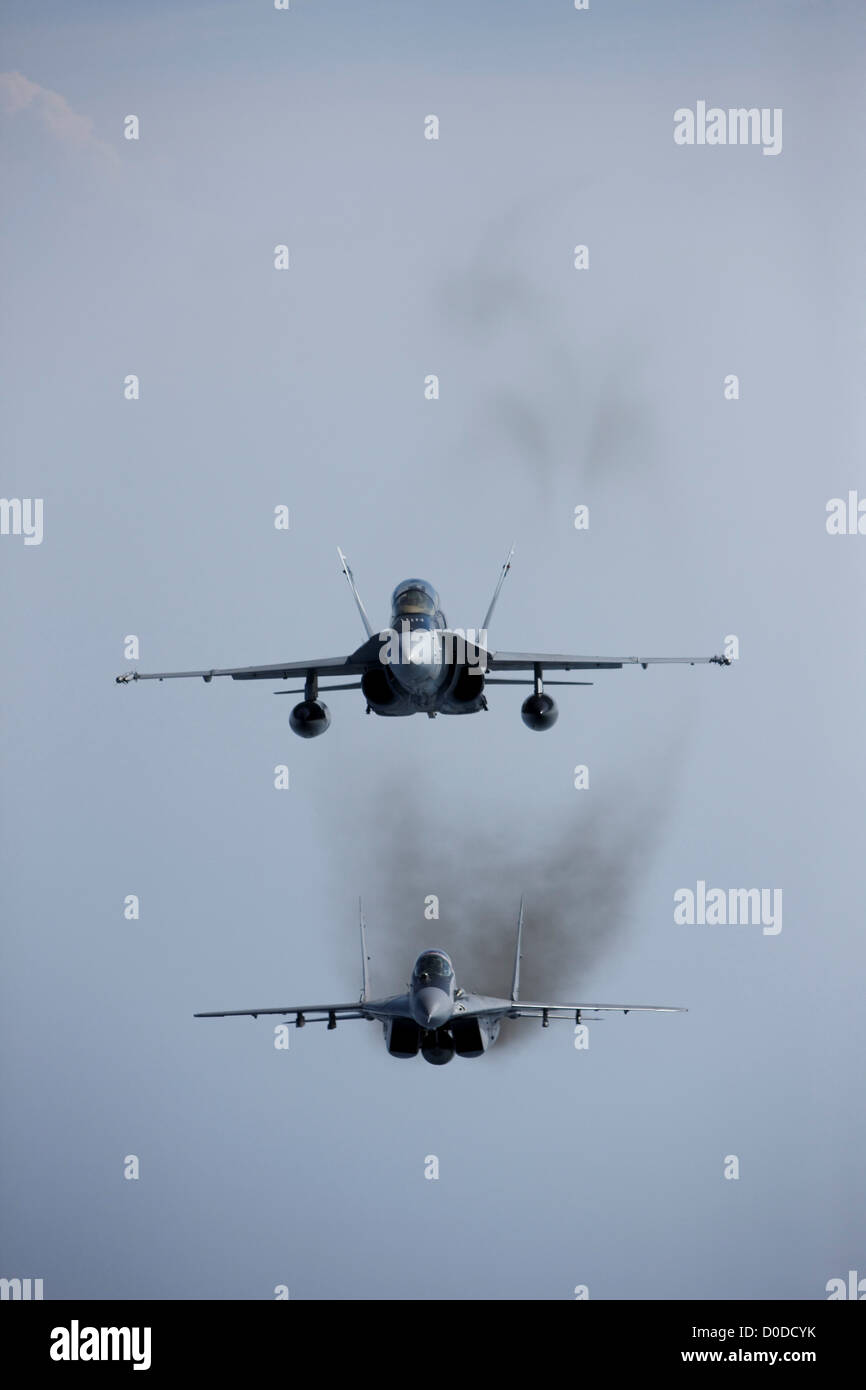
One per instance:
(419, 665)
(435, 1017)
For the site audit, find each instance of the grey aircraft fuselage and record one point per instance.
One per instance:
(434, 1016)
(417, 666)
(420, 666)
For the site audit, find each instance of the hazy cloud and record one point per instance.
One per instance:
(52, 112)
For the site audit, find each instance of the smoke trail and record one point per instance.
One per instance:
(579, 873)
(554, 407)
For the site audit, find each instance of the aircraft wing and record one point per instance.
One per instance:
(526, 661)
(517, 1008)
(324, 666)
(327, 1011)
(533, 1010)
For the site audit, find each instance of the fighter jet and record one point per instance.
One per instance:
(435, 1017)
(418, 665)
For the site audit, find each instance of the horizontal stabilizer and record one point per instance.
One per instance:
(323, 689)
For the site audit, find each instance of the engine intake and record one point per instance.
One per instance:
(469, 1040)
(402, 1037)
(469, 686)
(378, 690)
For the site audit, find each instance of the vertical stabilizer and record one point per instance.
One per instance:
(515, 983)
(365, 959)
(502, 577)
(357, 597)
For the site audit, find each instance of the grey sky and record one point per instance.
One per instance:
(558, 387)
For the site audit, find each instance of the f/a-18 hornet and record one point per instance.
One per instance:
(419, 665)
(434, 1016)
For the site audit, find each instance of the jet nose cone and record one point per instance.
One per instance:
(414, 672)
(432, 1008)
(419, 658)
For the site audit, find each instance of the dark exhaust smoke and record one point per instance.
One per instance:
(579, 872)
